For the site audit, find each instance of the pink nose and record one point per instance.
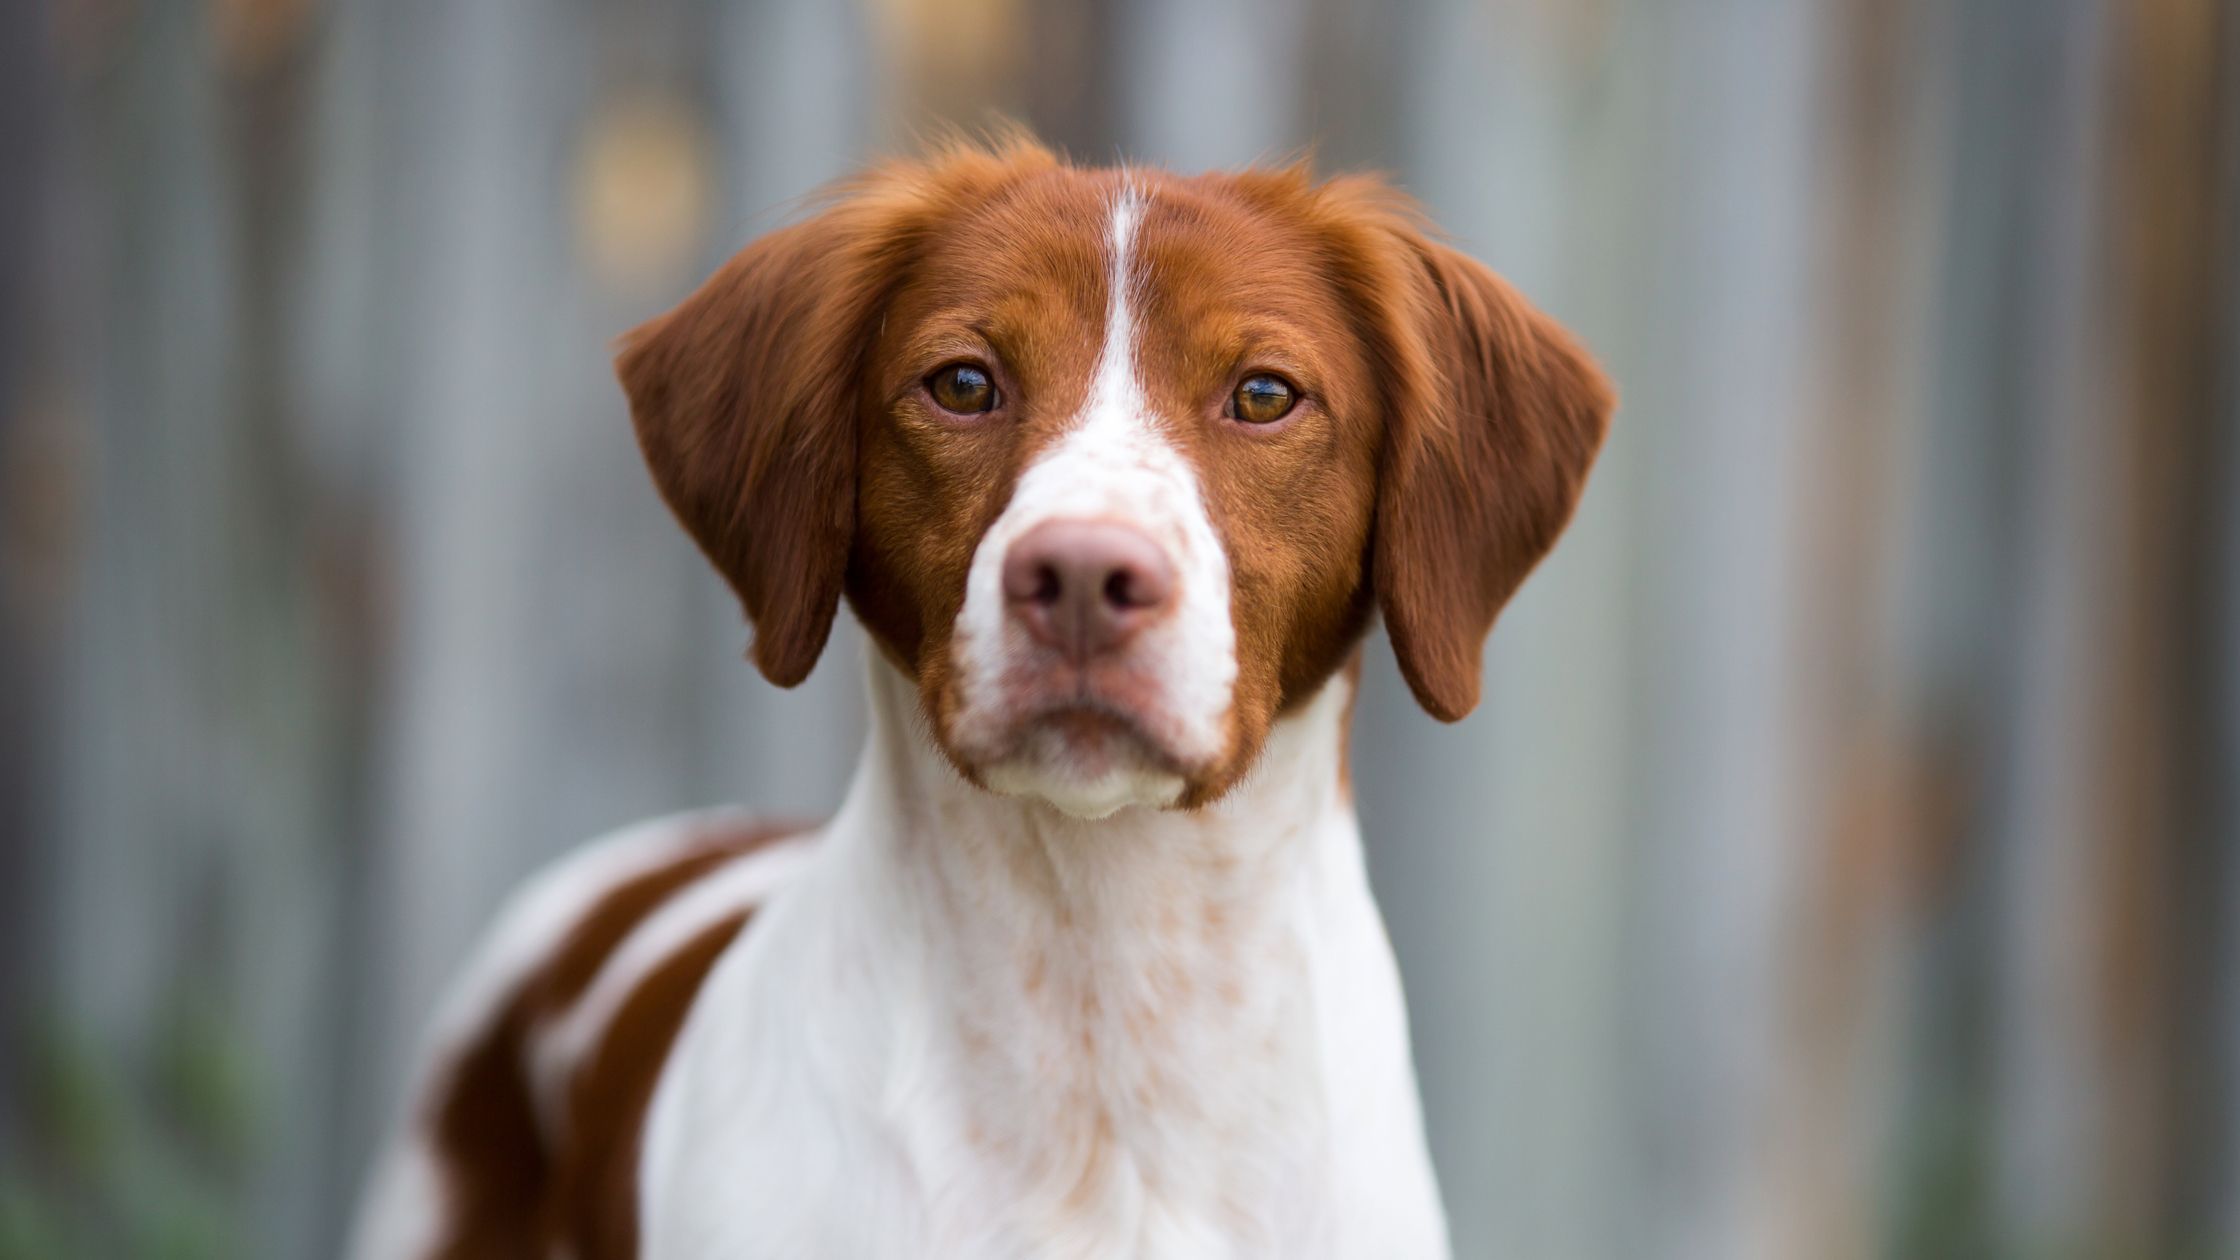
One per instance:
(1083, 587)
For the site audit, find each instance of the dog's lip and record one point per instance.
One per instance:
(1085, 711)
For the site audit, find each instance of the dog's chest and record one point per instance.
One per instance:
(1178, 1102)
(964, 1105)
(973, 1030)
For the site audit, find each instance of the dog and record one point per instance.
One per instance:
(1116, 468)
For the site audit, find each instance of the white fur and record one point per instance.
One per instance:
(741, 884)
(964, 1025)
(401, 1209)
(1114, 464)
(980, 1027)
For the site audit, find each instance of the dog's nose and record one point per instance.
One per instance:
(1084, 587)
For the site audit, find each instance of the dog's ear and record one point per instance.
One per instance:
(745, 399)
(1493, 416)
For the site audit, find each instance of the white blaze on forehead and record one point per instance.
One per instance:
(1116, 463)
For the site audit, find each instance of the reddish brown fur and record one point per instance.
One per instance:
(1493, 416)
(1443, 436)
(594, 1193)
(515, 1189)
(744, 396)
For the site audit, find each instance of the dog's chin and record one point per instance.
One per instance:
(1085, 763)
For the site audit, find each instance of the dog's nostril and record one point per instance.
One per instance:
(1085, 586)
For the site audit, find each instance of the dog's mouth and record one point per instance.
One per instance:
(1082, 747)
(1098, 736)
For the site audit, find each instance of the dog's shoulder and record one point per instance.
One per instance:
(542, 1060)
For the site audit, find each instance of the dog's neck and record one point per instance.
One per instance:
(1118, 901)
(1122, 1003)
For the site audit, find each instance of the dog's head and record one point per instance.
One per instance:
(1115, 464)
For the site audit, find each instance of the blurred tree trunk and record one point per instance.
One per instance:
(35, 481)
(1842, 864)
(198, 808)
(2161, 867)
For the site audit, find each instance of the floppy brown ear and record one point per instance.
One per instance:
(744, 399)
(1494, 415)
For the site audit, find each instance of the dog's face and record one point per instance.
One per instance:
(1115, 464)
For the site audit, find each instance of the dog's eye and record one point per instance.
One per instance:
(1262, 399)
(963, 388)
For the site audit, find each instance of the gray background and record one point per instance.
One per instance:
(1840, 865)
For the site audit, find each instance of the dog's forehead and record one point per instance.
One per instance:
(1046, 238)
(1048, 243)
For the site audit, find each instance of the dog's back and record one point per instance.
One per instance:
(523, 1127)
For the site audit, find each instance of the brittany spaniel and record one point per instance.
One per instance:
(1115, 467)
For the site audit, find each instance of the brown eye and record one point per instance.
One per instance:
(1262, 399)
(963, 388)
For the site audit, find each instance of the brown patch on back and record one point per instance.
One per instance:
(595, 1186)
(512, 1189)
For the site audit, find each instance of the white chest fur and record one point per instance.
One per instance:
(977, 1027)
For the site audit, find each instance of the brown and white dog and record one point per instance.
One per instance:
(1115, 467)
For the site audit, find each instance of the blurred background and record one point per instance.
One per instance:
(1843, 862)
